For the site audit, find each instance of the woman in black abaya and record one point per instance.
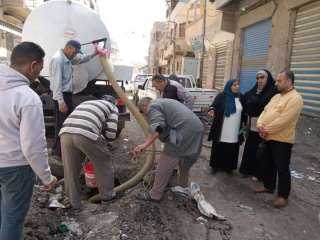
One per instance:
(254, 102)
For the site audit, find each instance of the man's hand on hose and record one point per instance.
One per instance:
(63, 107)
(100, 51)
(139, 149)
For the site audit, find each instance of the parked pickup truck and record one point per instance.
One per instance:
(202, 97)
(94, 90)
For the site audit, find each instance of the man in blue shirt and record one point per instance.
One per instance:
(61, 72)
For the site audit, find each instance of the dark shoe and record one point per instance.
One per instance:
(145, 196)
(214, 171)
(262, 190)
(114, 196)
(280, 202)
(244, 175)
(229, 172)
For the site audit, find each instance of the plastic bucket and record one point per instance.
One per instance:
(89, 175)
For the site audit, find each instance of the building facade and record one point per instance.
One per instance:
(240, 37)
(196, 45)
(157, 33)
(12, 16)
(276, 35)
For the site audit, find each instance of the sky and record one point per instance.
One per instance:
(129, 23)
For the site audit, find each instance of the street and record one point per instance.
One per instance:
(249, 216)
(251, 67)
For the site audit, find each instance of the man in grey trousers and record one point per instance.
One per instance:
(182, 133)
(86, 131)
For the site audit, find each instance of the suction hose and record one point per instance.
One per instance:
(142, 122)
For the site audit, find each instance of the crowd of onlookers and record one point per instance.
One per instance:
(265, 118)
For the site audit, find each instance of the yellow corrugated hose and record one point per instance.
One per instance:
(142, 122)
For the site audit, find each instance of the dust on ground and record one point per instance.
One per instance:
(249, 216)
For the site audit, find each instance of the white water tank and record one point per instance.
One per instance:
(53, 23)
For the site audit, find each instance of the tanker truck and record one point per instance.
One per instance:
(51, 25)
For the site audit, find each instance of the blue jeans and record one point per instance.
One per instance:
(16, 185)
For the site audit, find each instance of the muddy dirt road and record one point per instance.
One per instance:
(249, 216)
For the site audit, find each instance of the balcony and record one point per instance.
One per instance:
(15, 9)
(222, 3)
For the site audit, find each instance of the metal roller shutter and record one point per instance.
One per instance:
(221, 54)
(254, 53)
(305, 57)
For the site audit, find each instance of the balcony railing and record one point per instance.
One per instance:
(14, 3)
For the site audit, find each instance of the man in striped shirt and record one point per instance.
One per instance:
(86, 132)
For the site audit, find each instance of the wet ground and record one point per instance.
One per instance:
(249, 216)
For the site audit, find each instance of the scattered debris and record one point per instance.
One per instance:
(311, 178)
(54, 201)
(73, 226)
(259, 230)
(308, 132)
(62, 228)
(311, 168)
(202, 220)
(296, 174)
(245, 207)
(124, 236)
(204, 207)
(55, 204)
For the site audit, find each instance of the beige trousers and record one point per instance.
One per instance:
(73, 147)
(165, 166)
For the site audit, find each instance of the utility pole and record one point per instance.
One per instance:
(203, 38)
(173, 42)
(174, 48)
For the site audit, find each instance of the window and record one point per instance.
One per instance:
(184, 81)
(182, 30)
(158, 36)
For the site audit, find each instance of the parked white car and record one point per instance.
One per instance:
(139, 80)
(202, 97)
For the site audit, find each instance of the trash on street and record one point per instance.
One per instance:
(204, 207)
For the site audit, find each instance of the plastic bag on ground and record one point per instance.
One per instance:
(204, 207)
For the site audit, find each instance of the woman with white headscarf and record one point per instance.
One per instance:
(254, 102)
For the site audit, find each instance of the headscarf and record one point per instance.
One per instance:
(255, 101)
(230, 102)
(270, 80)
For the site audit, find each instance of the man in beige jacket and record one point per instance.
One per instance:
(277, 124)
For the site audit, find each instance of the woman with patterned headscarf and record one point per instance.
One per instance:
(254, 102)
(226, 111)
